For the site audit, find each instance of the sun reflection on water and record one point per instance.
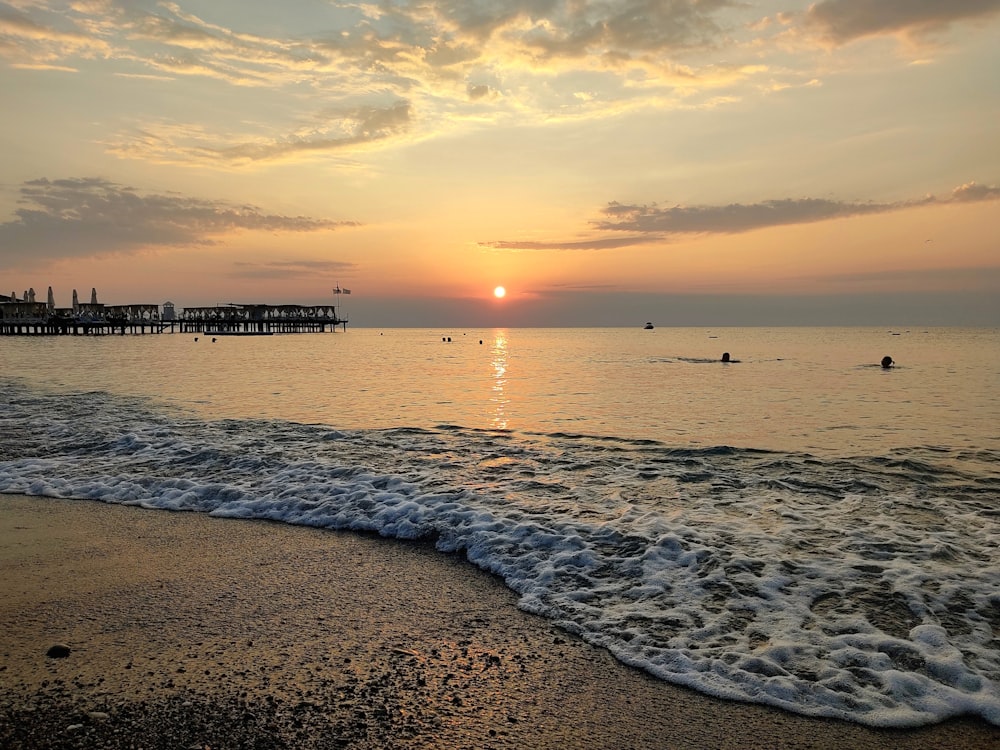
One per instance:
(499, 396)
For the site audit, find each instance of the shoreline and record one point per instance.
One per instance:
(191, 631)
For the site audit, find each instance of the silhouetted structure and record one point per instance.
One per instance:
(26, 317)
(247, 320)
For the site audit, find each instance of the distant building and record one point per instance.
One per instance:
(168, 311)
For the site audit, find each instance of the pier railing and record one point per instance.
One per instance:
(37, 318)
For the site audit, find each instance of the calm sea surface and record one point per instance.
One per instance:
(799, 528)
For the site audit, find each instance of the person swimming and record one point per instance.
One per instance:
(887, 362)
(725, 357)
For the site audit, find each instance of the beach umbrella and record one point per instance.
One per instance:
(93, 296)
(52, 300)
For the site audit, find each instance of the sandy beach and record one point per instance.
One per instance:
(186, 631)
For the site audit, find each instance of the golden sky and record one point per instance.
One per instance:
(684, 161)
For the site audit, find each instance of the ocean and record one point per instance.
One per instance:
(799, 527)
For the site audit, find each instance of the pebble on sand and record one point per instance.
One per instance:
(58, 651)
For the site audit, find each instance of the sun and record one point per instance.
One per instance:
(499, 292)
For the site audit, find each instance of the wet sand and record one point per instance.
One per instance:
(192, 632)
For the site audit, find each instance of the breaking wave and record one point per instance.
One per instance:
(865, 588)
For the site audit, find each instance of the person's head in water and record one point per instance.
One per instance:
(887, 362)
(725, 356)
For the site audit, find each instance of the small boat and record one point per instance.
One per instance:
(648, 327)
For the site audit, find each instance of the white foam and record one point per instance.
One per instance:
(829, 588)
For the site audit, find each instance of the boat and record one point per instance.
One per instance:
(648, 327)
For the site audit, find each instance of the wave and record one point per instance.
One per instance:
(861, 588)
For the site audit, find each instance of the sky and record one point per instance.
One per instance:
(685, 162)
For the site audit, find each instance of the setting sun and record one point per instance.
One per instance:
(499, 292)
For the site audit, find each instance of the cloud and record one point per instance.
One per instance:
(604, 243)
(843, 21)
(92, 216)
(731, 218)
(333, 132)
(480, 91)
(290, 269)
(734, 218)
(29, 43)
(573, 29)
(425, 52)
(620, 31)
(648, 223)
(409, 68)
(180, 43)
(972, 191)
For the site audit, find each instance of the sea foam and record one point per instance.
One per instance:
(866, 589)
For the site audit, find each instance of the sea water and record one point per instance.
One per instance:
(800, 528)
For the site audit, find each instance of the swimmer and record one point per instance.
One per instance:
(887, 362)
(725, 357)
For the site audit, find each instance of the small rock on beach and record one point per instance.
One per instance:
(58, 651)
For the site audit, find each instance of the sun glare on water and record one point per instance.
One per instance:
(499, 292)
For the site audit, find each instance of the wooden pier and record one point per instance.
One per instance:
(37, 319)
(30, 318)
(248, 320)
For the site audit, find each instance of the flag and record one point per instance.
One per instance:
(346, 291)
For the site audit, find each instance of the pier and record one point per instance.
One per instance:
(27, 317)
(247, 320)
